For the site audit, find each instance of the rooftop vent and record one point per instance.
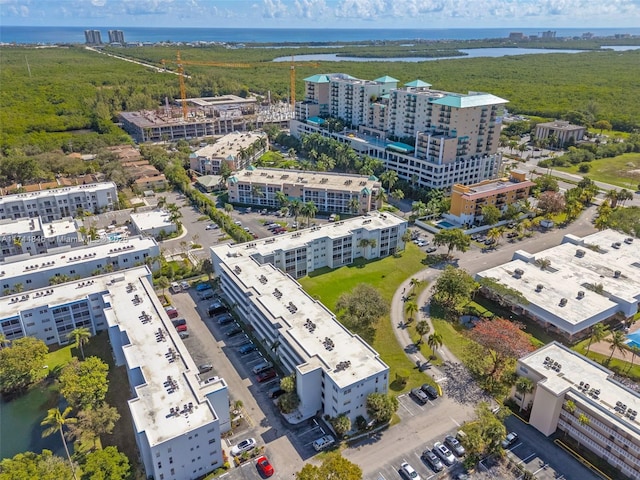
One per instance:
(628, 240)
(616, 245)
(518, 272)
(580, 294)
(539, 287)
(563, 302)
(580, 253)
(617, 274)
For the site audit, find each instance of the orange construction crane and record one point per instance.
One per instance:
(183, 90)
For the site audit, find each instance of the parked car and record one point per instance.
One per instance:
(244, 446)
(175, 287)
(233, 331)
(183, 335)
(455, 446)
(430, 390)
(179, 321)
(409, 472)
(172, 312)
(419, 395)
(421, 243)
(206, 295)
(215, 308)
(276, 392)
(224, 319)
(512, 234)
(247, 348)
(432, 459)
(181, 328)
(444, 453)
(184, 285)
(261, 367)
(205, 367)
(201, 287)
(265, 468)
(512, 437)
(213, 226)
(323, 442)
(489, 241)
(266, 375)
(431, 249)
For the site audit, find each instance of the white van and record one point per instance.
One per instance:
(262, 367)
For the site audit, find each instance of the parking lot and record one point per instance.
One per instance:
(409, 407)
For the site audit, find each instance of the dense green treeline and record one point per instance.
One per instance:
(51, 96)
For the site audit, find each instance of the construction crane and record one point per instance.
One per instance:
(183, 90)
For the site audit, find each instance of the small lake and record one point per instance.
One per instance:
(20, 418)
(469, 53)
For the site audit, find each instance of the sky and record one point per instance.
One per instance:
(426, 14)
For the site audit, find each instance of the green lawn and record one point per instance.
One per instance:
(60, 357)
(386, 274)
(623, 170)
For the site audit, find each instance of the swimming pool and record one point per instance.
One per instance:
(444, 224)
(115, 237)
(633, 339)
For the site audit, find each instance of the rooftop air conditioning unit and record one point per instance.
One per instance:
(581, 294)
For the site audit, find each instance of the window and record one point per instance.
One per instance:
(28, 281)
(170, 460)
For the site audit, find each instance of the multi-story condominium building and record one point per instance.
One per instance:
(116, 36)
(68, 264)
(335, 370)
(24, 237)
(467, 201)
(330, 192)
(563, 131)
(571, 287)
(59, 203)
(178, 415)
(580, 397)
(237, 150)
(93, 37)
(445, 138)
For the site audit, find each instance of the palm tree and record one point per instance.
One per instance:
(422, 328)
(309, 210)
(163, 283)
(390, 177)
(55, 421)
(612, 196)
(523, 386)
(618, 342)
(162, 201)
(495, 234)
(415, 283)
(295, 206)
(598, 333)
(410, 308)
(397, 195)
(434, 341)
(80, 336)
(635, 350)
(354, 204)
(282, 198)
(419, 208)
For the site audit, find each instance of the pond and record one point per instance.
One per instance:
(20, 419)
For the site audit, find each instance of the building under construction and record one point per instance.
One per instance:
(205, 117)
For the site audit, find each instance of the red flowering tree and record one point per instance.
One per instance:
(502, 340)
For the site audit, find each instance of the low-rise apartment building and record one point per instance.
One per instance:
(571, 287)
(178, 415)
(24, 237)
(563, 132)
(581, 398)
(467, 201)
(330, 192)
(153, 223)
(59, 203)
(68, 264)
(237, 150)
(335, 370)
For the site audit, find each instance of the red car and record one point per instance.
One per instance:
(266, 375)
(181, 328)
(265, 467)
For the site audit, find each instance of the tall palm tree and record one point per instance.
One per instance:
(390, 177)
(295, 206)
(617, 342)
(282, 198)
(55, 421)
(434, 341)
(410, 309)
(524, 386)
(422, 328)
(354, 204)
(415, 283)
(598, 333)
(80, 336)
(309, 210)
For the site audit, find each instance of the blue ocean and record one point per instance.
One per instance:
(53, 35)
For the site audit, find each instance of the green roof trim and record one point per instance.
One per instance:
(417, 84)
(467, 101)
(318, 78)
(373, 178)
(251, 168)
(365, 191)
(233, 180)
(386, 79)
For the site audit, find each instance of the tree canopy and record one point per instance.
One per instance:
(381, 407)
(484, 435)
(453, 288)
(453, 239)
(21, 364)
(106, 464)
(359, 309)
(333, 467)
(84, 383)
(29, 465)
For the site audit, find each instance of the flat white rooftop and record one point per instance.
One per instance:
(229, 145)
(145, 221)
(320, 180)
(41, 264)
(571, 272)
(290, 309)
(88, 188)
(576, 368)
(167, 403)
(343, 228)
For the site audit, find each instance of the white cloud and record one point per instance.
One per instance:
(274, 9)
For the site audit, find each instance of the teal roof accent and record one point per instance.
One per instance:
(417, 83)
(386, 79)
(401, 147)
(193, 155)
(233, 180)
(315, 120)
(318, 78)
(373, 178)
(365, 191)
(251, 168)
(466, 101)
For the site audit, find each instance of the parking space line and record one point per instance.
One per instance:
(410, 412)
(516, 446)
(524, 460)
(380, 476)
(454, 421)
